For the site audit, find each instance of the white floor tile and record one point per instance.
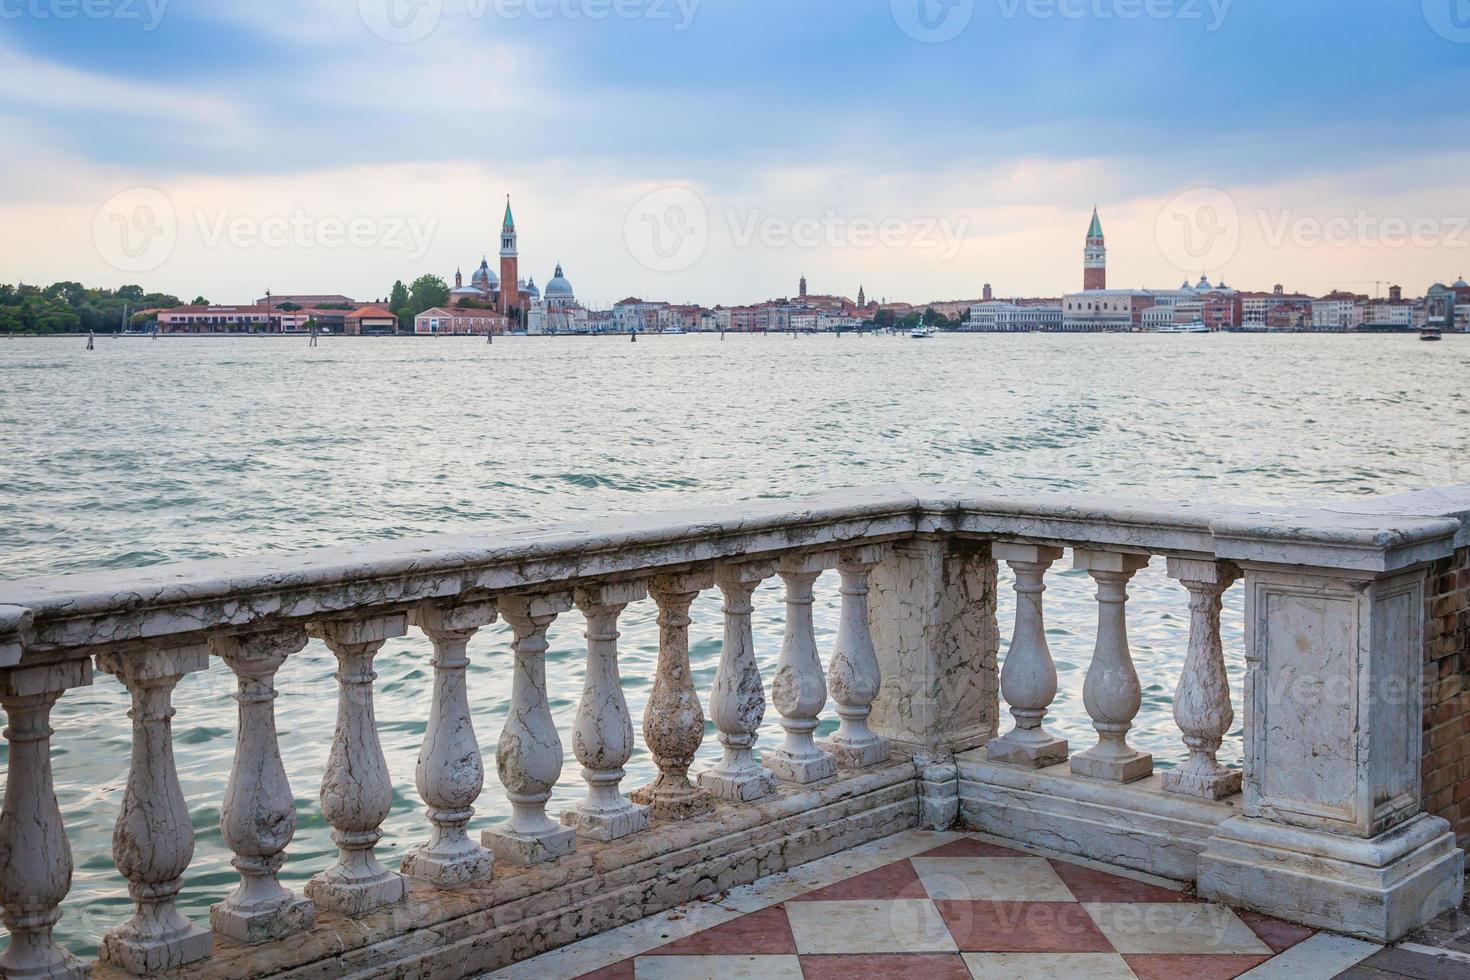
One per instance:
(1174, 928)
(992, 879)
(901, 926)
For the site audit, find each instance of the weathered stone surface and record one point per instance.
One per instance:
(1111, 693)
(1202, 702)
(800, 689)
(1029, 678)
(854, 671)
(738, 701)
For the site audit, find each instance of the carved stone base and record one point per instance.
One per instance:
(355, 896)
(608, 826)
(1014, 749)
(64, 966)
(677, 803)
(810, 769)
(939, 794)
(144, 957)
(255, 926)
(1379, 889)
(453, 869)
(524, 851)
(857, 755)
(1207, 786)
(1113, 768)
(742, 786)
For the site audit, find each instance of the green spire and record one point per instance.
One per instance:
(1094, 231)
(510, 222)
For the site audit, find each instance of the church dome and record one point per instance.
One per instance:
(1462, 284)
(558, 286)
(530, 289)
(484, 277)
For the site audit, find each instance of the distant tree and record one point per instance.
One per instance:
(428, 292)
(884, 319)
(201, 301)
(289, 307)
(398, 298)
(132, 294)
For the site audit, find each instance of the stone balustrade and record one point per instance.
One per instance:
(1324, 824)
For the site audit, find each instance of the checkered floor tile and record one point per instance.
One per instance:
(973, 909)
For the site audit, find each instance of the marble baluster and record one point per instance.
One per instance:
(35, 856)
(1202, 702)
(258, 818)
(673, 720)
(529, 756)
(450, 773)
(357, 789)
(1029, 678)
(800, 689)
(1111, 692)
(854, 674)
(738, 701)
(153, 841)
(602, 737)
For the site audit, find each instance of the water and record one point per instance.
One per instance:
(152, 451)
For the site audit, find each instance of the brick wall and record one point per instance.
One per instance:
(1447, 693)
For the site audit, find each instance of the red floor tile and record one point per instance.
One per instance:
(617, 971)
(766, 932)
(1089, 885)
(968, 847)
(1201, 967)
(1280, 936)
(1022, 927)
(896, 880)
(896, 966)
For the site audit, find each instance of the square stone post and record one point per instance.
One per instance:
(931, 612)
(1332, 832)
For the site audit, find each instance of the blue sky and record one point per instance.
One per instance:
(771, 112)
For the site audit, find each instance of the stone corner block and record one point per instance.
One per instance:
(523, 851)
(448, 871)
(534, 606)
(743, 787)
(155, 664)
(1029, 554)
(807, 562)
(351, 897)
(149, 957)
(1213, 786)
(368, 629)
(795, 770)
(1125, 769)
(610, 594)
(862, 755)
(22, 682)
(746, 573)
(1032, 754)
(454, 617)
(257, 926)
(605, 827)
(1088, 560)
(683, 583)
(1209, 572)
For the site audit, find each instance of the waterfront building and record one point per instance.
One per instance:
(1095, 257)
(231, 319)
(1098, 310)
(1448, 307)
(460, 321)
(1339, 311)
(1220, 309)
(996, 316)
(368, 321)
(559, 292)
(316, 300)
(1276, 310)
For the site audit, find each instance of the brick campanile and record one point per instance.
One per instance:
(1095, 257)
(510, 294)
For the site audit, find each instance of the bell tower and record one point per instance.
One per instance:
(1095, 257)
(510, 297)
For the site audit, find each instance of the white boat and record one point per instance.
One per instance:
(1197, 326)
(920, 332)
(675, 331)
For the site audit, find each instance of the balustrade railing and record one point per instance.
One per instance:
(150, 628)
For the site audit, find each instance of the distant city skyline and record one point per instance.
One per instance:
(308, 153)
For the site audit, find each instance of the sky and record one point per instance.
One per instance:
(714, 151)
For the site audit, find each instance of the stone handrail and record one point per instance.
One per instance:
(150, 627)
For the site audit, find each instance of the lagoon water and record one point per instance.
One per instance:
(151, 451)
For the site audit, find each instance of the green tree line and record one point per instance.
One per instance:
(70, 307)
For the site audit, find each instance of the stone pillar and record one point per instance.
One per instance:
(1332, 832)
(258, 818)
(931, 614)
(738, 701)
(529, 756)
(35, 857)
(450, 773)
(673, 721)
(1112, 693)
(854, 671)
(153, 840)
(800, 691)
(1202, 703)
(357, 789)
(1029, 678)
(603, 735)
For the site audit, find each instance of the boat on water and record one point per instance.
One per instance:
(1196, 326)
(675, 332)
(1431, 333)
(920, 333)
